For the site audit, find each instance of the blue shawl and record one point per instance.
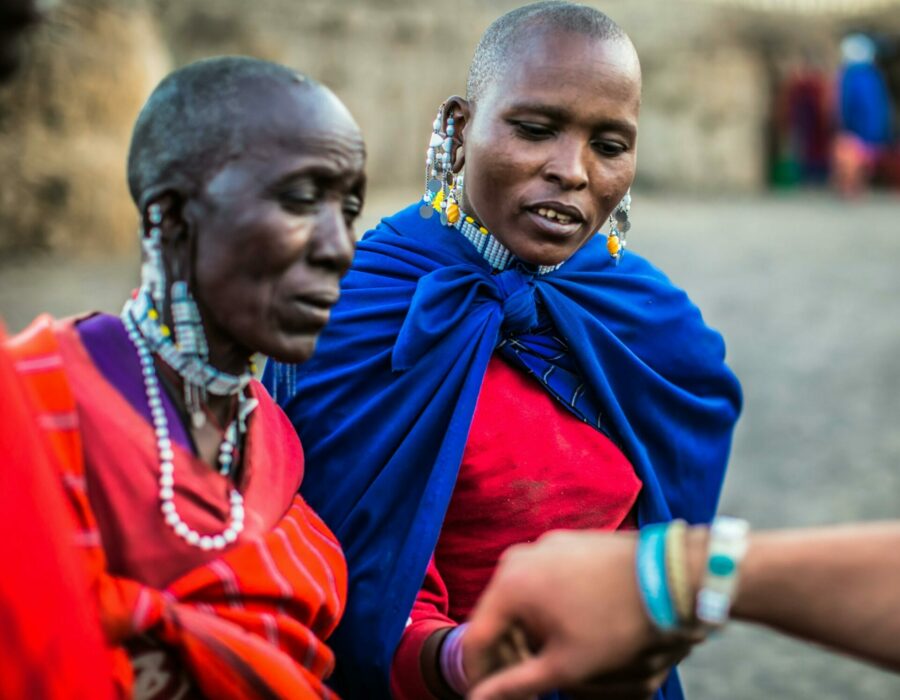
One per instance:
(383, 408)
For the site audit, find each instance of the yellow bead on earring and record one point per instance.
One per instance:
(612, 245)
(436, 201)
(452, 212)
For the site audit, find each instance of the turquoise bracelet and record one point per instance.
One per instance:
(651, 575)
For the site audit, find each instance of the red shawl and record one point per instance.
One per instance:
(248, 624)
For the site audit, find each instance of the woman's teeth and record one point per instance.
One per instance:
(554, 215)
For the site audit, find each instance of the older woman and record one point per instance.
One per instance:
(495, 369)
(213, 578)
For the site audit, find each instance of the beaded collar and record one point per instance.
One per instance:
(159, 340)
(497, 255)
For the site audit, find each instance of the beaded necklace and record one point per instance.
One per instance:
(497, 255)
(192, 369)
(138, 333)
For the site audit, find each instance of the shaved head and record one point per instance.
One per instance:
(494, 50)
(197, 119)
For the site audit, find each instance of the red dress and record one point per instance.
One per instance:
(529, 466)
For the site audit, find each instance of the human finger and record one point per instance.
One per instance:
(648, 664)
(524, 680)
(486, 642)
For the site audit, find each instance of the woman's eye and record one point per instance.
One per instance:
(352, 207)
(530, 130)
(299, 200)
(609, 148)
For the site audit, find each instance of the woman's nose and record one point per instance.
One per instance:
(567, 166)
(332, 243)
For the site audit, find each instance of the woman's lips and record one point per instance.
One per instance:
(553, 226)
(313, 308)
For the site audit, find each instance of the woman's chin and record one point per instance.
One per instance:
(542, 258)
(538, 250)
(295, 350)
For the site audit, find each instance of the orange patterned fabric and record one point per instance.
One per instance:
(50, 645)
(247, 625)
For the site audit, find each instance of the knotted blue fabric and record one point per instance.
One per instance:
(384, 406)
(453, 296)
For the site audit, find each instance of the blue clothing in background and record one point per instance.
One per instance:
(865, 104)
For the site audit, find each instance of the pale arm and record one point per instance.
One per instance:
(575, 594)
(838, 586)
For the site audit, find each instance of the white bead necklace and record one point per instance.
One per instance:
(167, 456)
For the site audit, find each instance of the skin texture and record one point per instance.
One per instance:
(265, 241)
(559, 125)
(575, 595)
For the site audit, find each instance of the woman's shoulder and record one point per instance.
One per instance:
(404, 223)
(632, 273)
(405, 246)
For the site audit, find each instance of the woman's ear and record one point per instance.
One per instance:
(458, 108)
(165, 211)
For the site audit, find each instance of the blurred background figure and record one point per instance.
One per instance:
(864, 116)
(803, 125)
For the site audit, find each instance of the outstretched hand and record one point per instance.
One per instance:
(574, 596)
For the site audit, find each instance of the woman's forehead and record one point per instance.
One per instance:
(569, 73)
(543, 59)
(289, 131)
(298, 109)
(554, 57)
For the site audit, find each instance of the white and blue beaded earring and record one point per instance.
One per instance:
(153, 274)
(441, 187)
(619, 226)
(191, 343)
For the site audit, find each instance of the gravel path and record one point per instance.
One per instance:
(807, 292)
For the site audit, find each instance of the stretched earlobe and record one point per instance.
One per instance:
(456, 111)
(443, 162)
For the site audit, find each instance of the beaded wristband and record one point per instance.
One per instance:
(677, 571)
(651, 576)
(727, 546)
(451, 661)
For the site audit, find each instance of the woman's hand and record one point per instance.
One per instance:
(575, 596)
(640, 679)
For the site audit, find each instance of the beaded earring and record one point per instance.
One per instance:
(619, 226)
(190, 341)
(442, 188)
(153, 274)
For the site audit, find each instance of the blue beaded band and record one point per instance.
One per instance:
(651, 575)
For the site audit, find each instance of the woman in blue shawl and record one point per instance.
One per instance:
(505, 273)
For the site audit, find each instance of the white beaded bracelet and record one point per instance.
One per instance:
(727, 546)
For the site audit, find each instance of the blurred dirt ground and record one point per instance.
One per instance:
(806, 290)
